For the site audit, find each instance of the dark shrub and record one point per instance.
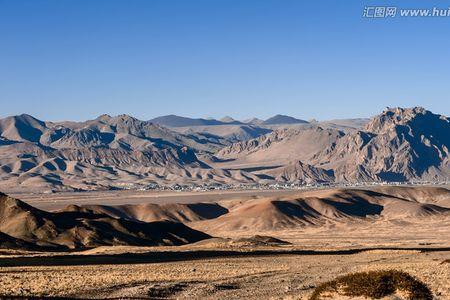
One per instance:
(375, 285)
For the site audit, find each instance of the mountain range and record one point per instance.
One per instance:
(177, 121)
(400, 144)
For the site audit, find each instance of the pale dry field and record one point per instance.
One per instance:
(252, 277)
(60, 200)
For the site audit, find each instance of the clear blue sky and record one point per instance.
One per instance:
(318, 59)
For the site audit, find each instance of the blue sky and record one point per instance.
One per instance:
(318, 59)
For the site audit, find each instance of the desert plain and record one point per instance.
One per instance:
(262, 244)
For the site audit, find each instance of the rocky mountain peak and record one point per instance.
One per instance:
(103, 118)
(415, 118)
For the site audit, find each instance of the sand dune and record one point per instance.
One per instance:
(9, 242)
(84, 228)
(154, 212)
(321, 207)
(298, 210)
(430, 195)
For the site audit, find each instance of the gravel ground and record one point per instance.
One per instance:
(250, 277)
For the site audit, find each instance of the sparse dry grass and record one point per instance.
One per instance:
(76, 280)
(291, 277)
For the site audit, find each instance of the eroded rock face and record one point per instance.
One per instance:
(299, 172)
(284, 144)
(69, 154)
(397, 145)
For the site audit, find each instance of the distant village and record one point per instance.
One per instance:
(274, 186)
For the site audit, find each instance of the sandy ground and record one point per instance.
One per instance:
(60, 200)
(250, 277)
